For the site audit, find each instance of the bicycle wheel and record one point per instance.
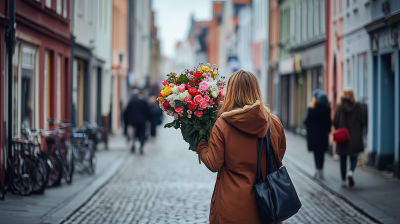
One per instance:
(55, 174)
(81, 157)
(2, 190)
(25, 182)
(39, 173)
(69, 164)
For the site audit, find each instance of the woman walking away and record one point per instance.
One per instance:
(318, 123)
(155, 116)
(349, 115)
(233, 150)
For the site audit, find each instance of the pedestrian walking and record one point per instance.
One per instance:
(349, 115)
(136, 114)
(233, 147)
(155, 116)
(318, 123)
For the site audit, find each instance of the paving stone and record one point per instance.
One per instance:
(167, 185)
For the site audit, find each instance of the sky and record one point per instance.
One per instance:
(173, 20)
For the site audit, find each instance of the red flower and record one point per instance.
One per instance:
(193, 91)
(165, 83)
(198, 113)
(160, 95)
(212, 102)
(197, 75)
(192, 106)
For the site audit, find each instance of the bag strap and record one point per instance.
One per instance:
(271, 158)
(271, 154)
(259, 178)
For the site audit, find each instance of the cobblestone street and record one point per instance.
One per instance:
(167, 185)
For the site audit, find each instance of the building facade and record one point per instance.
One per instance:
(245, 39)
(384, 85)
(273, 99)
(119, 62)
(302, 56)
(260, 13)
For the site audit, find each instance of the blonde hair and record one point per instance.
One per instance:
(348, 94)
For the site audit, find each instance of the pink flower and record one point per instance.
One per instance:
(165, 105)
(221, 92)
(191, 72)
(206, 98)
(203, 105)
(165, 83)
(179, 110)
(198, 113)
(198, 99)
(212, 102)
(204, 75)
(203, 86)
(171, 84)
(187, 100)
(182, 88)
(210, 79)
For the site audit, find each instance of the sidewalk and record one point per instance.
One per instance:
(59, 202)
(376, 193)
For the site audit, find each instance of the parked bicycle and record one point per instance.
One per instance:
(83, 151)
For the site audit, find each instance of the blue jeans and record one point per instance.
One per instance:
(343, 164)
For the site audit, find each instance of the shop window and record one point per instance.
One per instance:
(28, 87)
(316, 18)
(59, 66)
(48, 3)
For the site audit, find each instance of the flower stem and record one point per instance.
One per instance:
(199, 159)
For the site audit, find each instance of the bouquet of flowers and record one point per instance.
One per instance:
(192, 98)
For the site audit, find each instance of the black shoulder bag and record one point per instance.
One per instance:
(276, 197)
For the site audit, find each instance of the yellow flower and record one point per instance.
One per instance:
(215, 73)
(205, 69)
(165, 92)
(161, 99)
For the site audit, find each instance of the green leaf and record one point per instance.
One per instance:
(202, 131)
(186, 121)
(168, 125)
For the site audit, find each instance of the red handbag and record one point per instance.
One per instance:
(341, 135)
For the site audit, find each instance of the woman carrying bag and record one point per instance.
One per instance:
(348, 115)
(233, 149)
(318, 123)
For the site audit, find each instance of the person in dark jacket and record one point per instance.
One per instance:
(155, 115)
(349, 115)
(136, 114)
(318, 123)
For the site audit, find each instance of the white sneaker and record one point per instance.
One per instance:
(343, 184)
(321, 174)
(350, 178)
(316, 175)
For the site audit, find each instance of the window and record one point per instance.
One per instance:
(298, 22)
(59, 7)
(81, 8)
(310, 18)
(347, 4)
(27, 83)
(48, 3)
(316, 18)
(90, 8)
(348, 72)
(340, 7)
(322, 14)
(304, 20)
(65, 11)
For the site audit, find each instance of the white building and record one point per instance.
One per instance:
(245, 39)
(260, 43)
(185, 56)
(141, 11)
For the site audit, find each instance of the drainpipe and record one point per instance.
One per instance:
(10, 49)
(72, 106)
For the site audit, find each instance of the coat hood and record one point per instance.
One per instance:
(252, 119)
(347, 104)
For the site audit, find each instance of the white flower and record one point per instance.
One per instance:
(161, 107)
(183, 95)
(189, 112)
(175, 89)
(189, 116)
(176, 116)
(172, 97)
(172, 103)
(214, 94)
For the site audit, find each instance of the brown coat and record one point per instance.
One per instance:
(349, 115)
(232, 152)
